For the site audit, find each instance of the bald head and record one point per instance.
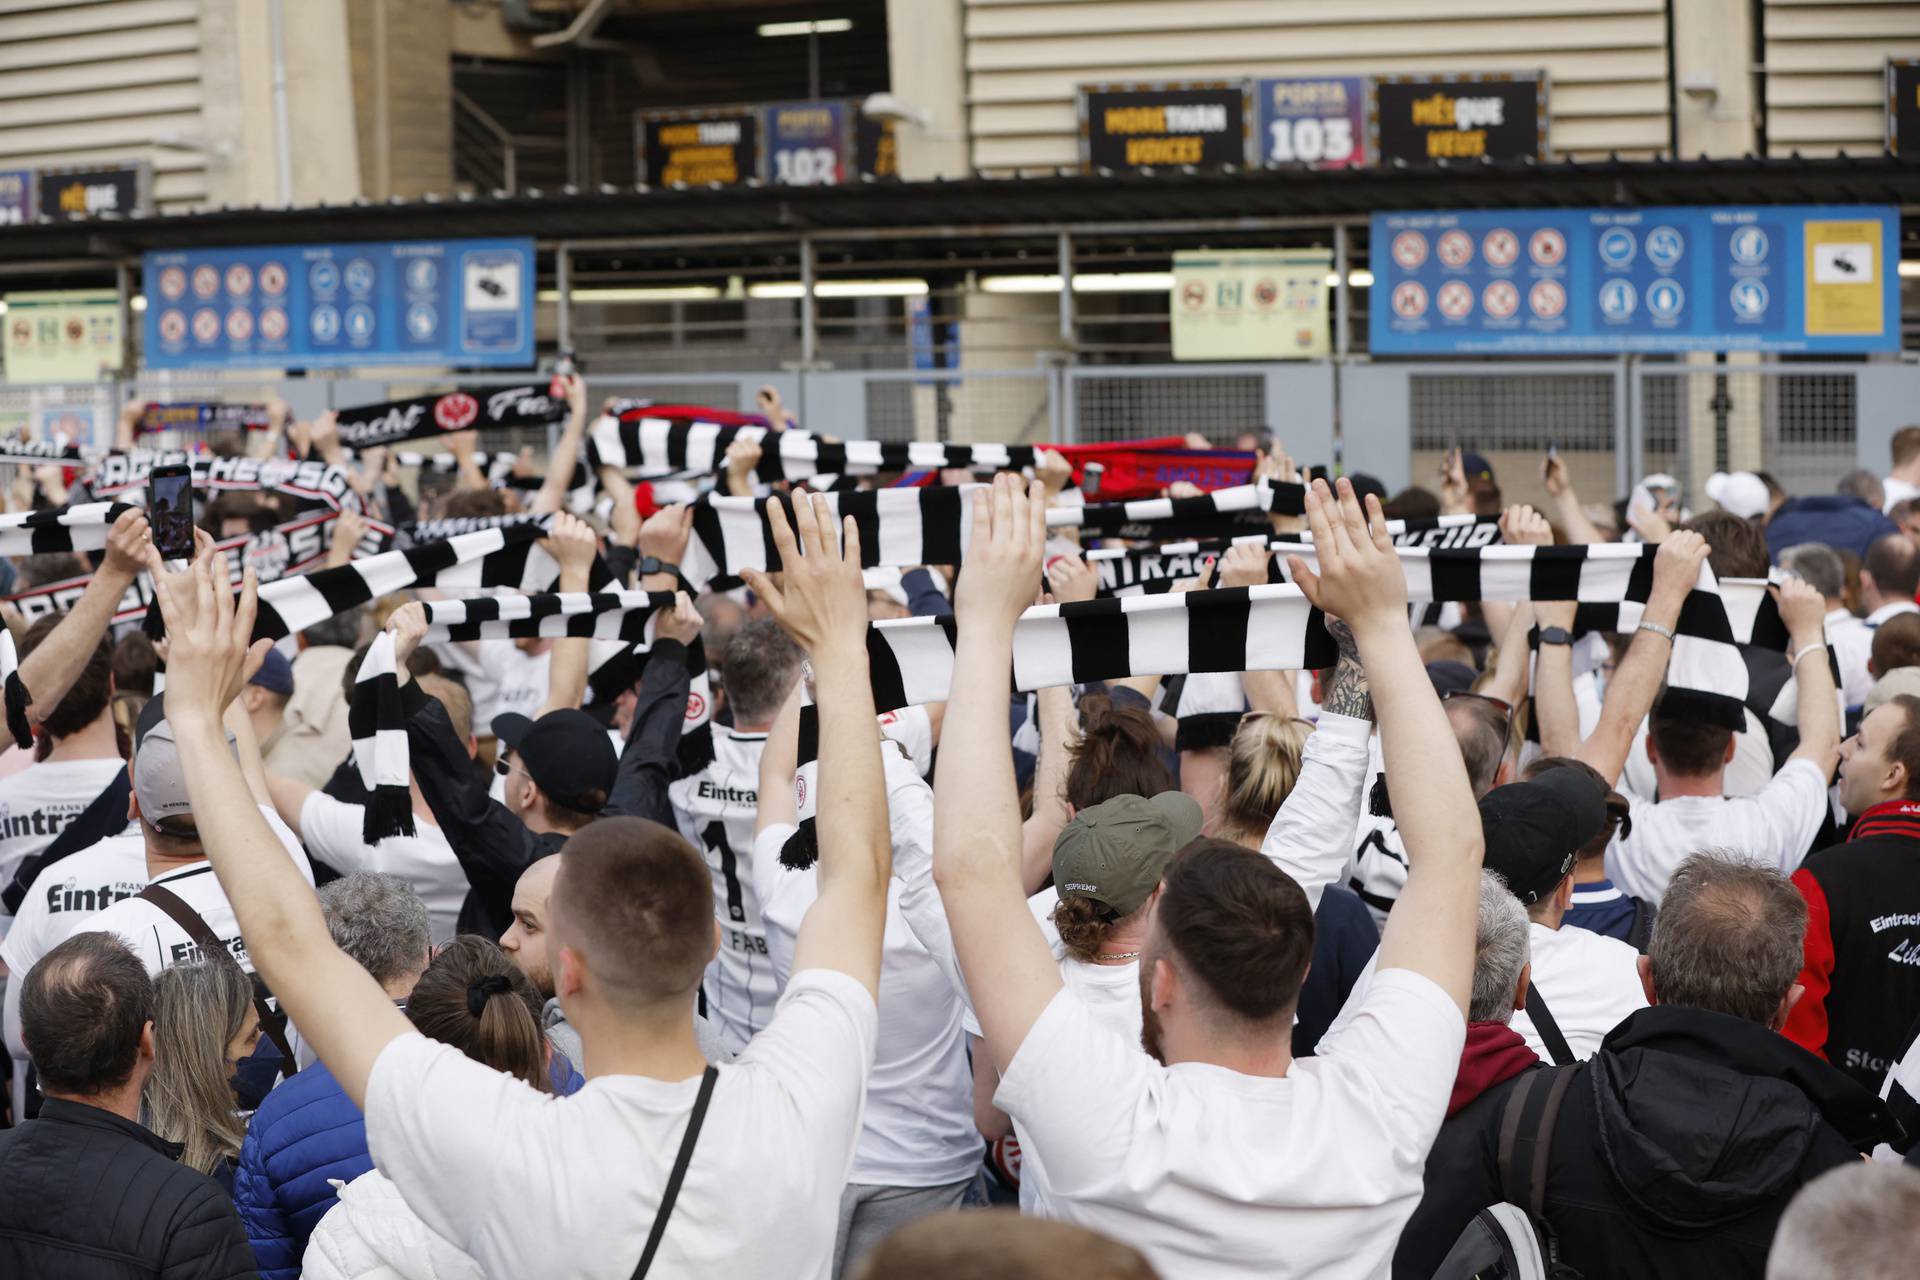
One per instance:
(1481, 732)
(525, 940)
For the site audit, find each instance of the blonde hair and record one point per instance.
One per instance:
(1263, 763)
(198, 1010)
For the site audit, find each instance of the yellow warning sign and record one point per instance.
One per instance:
(1845, 292)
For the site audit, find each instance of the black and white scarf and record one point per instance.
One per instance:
(1236, 629)
(652, 447)
(313, 480)
(82, 527)
(17, 450)
(391, 421)
(617, 620)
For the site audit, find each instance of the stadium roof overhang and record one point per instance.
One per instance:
(980, 214)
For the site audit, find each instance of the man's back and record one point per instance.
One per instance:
(84, 1192)
(1674, 1153)
(715, 811)
(779, 1137)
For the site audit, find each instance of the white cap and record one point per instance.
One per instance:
(1741, 493)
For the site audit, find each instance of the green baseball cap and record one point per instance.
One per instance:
(1116, 851)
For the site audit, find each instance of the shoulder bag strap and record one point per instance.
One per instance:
(679, 1174)
(1557, 1047)
(1525, 1144)
(272, 1026)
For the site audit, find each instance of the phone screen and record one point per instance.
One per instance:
(170, 511)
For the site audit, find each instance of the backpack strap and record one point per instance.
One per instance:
(679, 1174)
(1542, 1017)
(1640, 932)
(272, 1025)
(1526, 1141)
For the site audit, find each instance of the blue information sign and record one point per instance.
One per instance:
(421, 302)
(16, 197)
(808, 143)
(1807, 278)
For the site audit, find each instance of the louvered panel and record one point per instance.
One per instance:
(1826, 60)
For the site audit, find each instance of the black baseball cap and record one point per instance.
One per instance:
(566, 753)
(1534, 830)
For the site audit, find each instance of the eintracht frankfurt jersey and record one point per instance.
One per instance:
(715, 809)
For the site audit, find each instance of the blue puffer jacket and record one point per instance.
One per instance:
(307, 1132)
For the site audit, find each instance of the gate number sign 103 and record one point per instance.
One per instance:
(1309, 140)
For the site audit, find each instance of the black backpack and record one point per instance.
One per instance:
(1513, 1240)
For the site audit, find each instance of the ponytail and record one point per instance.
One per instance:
(475, 999)
(1263, 764)
(1118, 754)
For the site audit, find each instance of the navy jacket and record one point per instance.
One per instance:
(307, 1132)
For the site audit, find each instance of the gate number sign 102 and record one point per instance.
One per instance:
(1309, 140)
(811, 166)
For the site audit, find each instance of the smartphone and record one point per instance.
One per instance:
(170, 511)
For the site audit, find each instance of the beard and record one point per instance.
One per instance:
(1152, 1036)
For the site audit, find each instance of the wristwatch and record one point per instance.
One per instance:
(654, 564)
(1555, 635)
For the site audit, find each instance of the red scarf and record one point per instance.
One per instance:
(1890, 818)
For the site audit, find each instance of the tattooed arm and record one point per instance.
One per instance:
(1312, 835)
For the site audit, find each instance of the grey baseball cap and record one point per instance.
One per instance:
(159, 783)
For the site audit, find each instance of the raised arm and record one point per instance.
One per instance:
(50, 670)
(1818, 714)
(1520, 526)
(1431, 931)
(659, 714)
(976, 817)
(822, 603)
(1245, 565)
(1636, 681)
(572, 543)
(337, 1005)
(566, 451)
(1573, 517)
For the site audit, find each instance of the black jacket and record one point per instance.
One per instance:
(1676, 1150)
(493, 845)
(85, 1194)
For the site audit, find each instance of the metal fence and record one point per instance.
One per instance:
(1613, 421)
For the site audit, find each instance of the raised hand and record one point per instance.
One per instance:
(1359, 578)
(1676, 566)
(210, 647)
(821, 600)
(1804, 611)
(1553, 474)
(348, 529)
(127, 544)
(408, 624)
(1053, 471)
(1521, 525)
(1244, 565)
(1455, 498)
(1072, 578)
(664, 534)
(572, 542)
(1003, 560)
(682, 622)
(743, 456)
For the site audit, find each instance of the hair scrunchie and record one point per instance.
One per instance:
(481, 989)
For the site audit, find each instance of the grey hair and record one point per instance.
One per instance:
(380, 921)
(762, 664)
(1476, 728)
(342, 629)
(1728, 936)
(198, 1009)
(1818, 565)
(1864, 485)
(1860, 1221)
(1501, 949)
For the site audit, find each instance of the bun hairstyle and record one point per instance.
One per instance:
(1263, 763)
(475, 999)
(1118, 754)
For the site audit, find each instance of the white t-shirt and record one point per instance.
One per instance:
(569, 1186)
(1896, 491)
(72, 889)
(501, 677)
(715, 809)
(918, 1127)
(1211, 1173)
(38, 802)
(1852, 642)
(331, 829)
(1774, 825)
(1589, 982)
(151, 932)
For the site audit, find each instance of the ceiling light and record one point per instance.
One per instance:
(638, 293)
(1083, 282)
(821, 27)
(841, 289)
(1910, 268)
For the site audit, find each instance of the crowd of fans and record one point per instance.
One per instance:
(1468, 953)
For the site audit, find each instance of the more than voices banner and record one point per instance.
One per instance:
(1799, 278)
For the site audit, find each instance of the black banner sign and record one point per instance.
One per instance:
(699, 147)
(1421, 120)
(202, 417)
(1903, 107)
(312, 480)
(369, 425)
(16, 449)
(93, 193)
(1152, 126)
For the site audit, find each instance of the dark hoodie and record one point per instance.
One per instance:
(1676, 1150)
